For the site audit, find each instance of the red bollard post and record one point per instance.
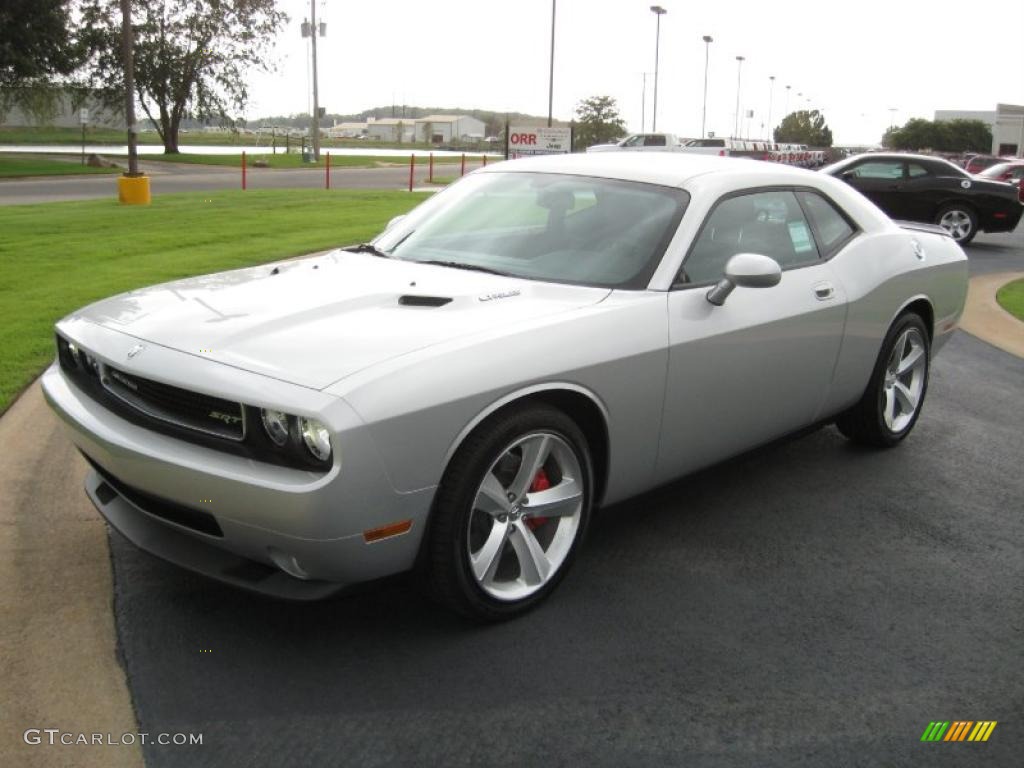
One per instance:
(462, 171)
(430, 172)
(243, 170)
(328, 170)
(412, 170)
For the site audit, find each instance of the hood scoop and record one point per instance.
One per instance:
(410, 300)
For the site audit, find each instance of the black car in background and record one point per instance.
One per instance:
(932, 190)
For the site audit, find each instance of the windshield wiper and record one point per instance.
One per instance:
(461, 265)
(368, 248)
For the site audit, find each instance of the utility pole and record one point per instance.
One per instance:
(128, 51)
(643, 103)
(739, 73)
(658, 11)
(708, 39)
(771, 97)
(316, 96)
(551, 74)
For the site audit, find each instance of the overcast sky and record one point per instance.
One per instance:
(854, 64)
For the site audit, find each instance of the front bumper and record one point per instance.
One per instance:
(270, 519)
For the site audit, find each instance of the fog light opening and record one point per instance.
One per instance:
(287, 563)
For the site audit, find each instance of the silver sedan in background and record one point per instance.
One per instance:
(455, 398)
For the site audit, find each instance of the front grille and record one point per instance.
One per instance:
(171, 511)
(204, 413)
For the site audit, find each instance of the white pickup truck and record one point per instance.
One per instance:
(646, 141)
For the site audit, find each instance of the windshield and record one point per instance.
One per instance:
(561, 228)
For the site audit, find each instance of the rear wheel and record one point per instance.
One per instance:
(892, 402)
(511, 511)
(959, 220)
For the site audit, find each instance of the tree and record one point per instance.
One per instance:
(598, 121)
(804, 127)
(36, 47)
(192, 57)
(942, 136)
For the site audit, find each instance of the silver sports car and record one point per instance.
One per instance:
(456, 397)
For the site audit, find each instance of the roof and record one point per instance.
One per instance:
(671, 169)
(444, 118)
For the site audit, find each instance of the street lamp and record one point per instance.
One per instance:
(771, 96)
(551, 75)
(708, 40)
(892, 116)
(739, 72)
(787, 99)
(658, 11)
(643, 102)
(312, 30)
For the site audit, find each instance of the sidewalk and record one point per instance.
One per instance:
(984, 318)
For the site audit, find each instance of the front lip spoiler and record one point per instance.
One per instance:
(187, 551)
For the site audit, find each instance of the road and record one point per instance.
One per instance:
(166, 178)
(808, 604)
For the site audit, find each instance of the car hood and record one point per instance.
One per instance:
(315, 321)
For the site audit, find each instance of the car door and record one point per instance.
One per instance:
(922, 191)
(881, 181)
(760, 365)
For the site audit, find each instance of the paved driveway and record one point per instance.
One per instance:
(809, 604)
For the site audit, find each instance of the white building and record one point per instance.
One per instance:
(1006, 122)
(394, 129)
(346, 130)
(441, 129)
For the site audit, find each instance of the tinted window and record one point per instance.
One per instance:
(706, 143)
(770, 223)
(654, 141)
(833, 229)
(916, 171)
(879, 169)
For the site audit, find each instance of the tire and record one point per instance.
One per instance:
(959, 220)
(892, 402)
(490, 557)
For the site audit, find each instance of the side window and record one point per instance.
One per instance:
(770, 223)
(916, 171)
(657, 140)
(833, 229)
(879, 169)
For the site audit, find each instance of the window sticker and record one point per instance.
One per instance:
(801, 237)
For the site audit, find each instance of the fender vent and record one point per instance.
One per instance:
(423, 301)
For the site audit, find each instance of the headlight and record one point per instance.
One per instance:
(316, 437)
(74, 353)
(276, 425)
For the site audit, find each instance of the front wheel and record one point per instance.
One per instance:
(510, 513)
(892, 402)
(960, 221)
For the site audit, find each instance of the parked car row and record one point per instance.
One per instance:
(799, 155)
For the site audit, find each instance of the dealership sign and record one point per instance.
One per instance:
(538, 141)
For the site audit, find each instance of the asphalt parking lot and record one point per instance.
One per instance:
(809, 604)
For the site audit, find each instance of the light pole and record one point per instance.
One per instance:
(739, 72)
(892, 116)
(551, 73)
(708, 40)
(771, 97)
(658, 11)
(787, 99)
(643, 102)
(312, 30)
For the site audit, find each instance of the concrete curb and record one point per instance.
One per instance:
(57, 638)
(984, 318)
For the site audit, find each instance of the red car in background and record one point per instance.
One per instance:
(979, 163)
(1010, 170)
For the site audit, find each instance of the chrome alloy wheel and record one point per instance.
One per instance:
(957, 222)
(904, 380)
(525, 516)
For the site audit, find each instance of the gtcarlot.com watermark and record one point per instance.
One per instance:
(55, 736)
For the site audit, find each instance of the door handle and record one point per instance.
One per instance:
(824, 291)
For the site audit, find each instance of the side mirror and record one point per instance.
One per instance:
(394, 221)
(745, 270)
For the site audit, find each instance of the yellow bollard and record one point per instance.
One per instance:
(133, 190)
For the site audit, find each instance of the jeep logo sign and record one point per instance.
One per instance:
(523, 141)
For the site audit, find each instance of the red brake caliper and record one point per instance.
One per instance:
(540, 483)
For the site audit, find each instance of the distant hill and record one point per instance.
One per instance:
(495, 121)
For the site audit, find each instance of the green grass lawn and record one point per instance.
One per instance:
(1011, 298)
(60, 256)
(15, 165)
(294, 160)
